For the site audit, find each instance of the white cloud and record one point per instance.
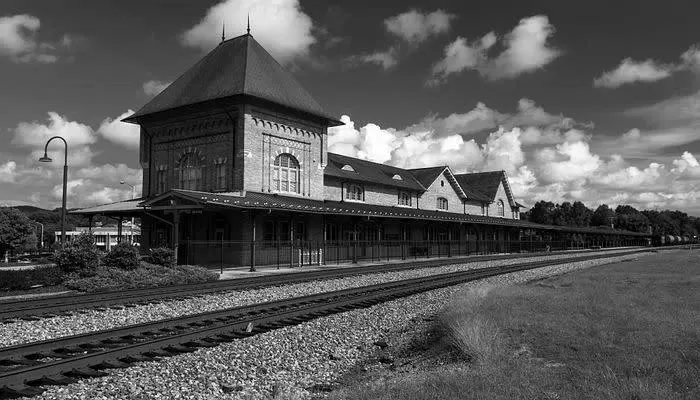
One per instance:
(387, 59)
(630, 71)
(525, 50)
(122, 133)
(280, 26)
(99, 185)
(153, 88)
(415, 27)
(675, 111)
(461, 55)
(18, 40)
(8, 172)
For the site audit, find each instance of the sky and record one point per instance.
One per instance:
(592, 101)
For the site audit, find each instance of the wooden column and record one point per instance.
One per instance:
(176, 234)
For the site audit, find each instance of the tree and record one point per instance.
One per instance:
(16, 232)
(542, 212)
(580, 214)
(602, 216)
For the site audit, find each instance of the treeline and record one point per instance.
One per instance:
(622, 217)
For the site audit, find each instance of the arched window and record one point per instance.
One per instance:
(404, 199)
(285, 174)
(191, 172)
(501, 209)
(441, 203)
(355, 192)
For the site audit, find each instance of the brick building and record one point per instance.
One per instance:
(234, 155)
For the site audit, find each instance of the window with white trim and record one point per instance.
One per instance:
(285, 174)
(220, 174)
(191, 172)
(500, 211)
(442, 203)
(161, 180)
(354, 192)
(404, 199)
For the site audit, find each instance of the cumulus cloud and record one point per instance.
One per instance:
(525, 49)
(153, 88)
(415, 27)
(559, 164)
(33, 135)
(99, 185)
(630, 71)
(8, 171)
(18, 40)
(119, 132)
(280, 26)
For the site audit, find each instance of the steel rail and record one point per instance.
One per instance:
(60, 305)
(61, 360)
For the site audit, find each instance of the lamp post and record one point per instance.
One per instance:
(46, 158)
(42, 234)
(133, 196)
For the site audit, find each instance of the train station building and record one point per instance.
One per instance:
(236, 171)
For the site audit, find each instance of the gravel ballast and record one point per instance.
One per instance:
(293, 362)
(94, 320)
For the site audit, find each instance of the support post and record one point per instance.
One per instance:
(119, 229)
(175, 234)
(252, 243)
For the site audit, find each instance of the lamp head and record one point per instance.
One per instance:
(121, 182)
(45, 158)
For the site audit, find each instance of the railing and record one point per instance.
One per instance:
(304, 253)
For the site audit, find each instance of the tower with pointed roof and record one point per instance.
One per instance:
(235, 121)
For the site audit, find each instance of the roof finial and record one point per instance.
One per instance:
(249, 23)
(223, 32)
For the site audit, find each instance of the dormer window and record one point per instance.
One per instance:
(404, 199)
(397, 177)
(442, 203)
(355, 193)
(348, 167)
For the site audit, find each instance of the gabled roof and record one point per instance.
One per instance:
(487, 184)
(427, 176)
(238, 66)
(370, 172)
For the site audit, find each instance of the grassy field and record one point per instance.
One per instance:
(623, 331)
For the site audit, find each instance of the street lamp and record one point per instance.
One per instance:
(133, 196)
(46, 158)
(42, 234)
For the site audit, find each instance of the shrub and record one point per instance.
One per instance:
(26, 278)
(163, 256)
(79, 256)
(123, 256)
(147, 275)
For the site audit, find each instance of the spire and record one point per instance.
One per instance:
(249, 24)
(223, 32)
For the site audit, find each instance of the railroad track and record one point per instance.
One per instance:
(25, 368)
(65, 304)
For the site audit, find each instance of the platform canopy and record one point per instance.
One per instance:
(126, 208)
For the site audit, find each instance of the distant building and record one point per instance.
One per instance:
(105, 236)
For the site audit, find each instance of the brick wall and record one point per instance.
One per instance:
(441, 187)
(268, 134)
(334, 190)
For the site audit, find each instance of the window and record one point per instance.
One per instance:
(404, 199)
(441, 203)
(331, 232)
(190, 172)
(161, 180)
(500, 210)
(220, 175)
(442, 183)
(397, 177)
(270, 231)
(355, 192)
(348, 167)
(285, 174)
